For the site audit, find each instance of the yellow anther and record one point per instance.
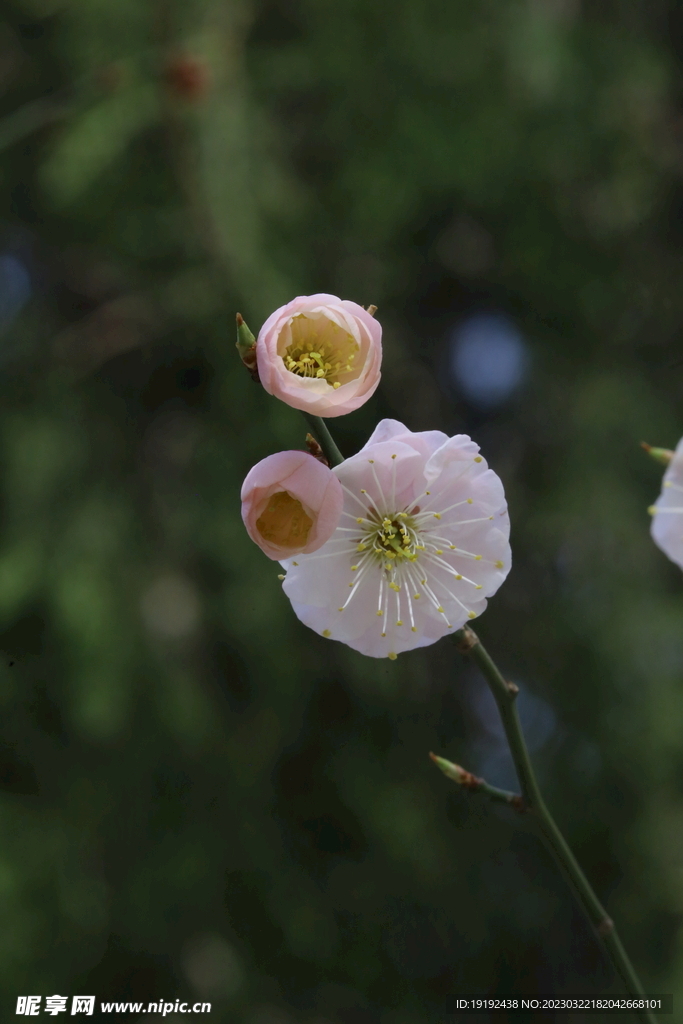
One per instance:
(469, 501)
(363, 491)
(395, 587)
(479, 587)
(416, 597)
(360, 519)
(371, 461)
(281, 577)
(498, 564)
(392, 656)
(438, 551)
(477, 558)
(393, 456)
(340, 609)
(652, 509)
(399, 623)
(336, 385)
(437, 515)
(295, 563)
(326, 632)
(353, 568)
(383, 634)
(471, 615)
(458, 576)
(380, 612)
(441, 610)
(361, 547)
(478, 458)
(413, 629)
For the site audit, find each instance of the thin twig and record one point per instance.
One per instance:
(504, 694)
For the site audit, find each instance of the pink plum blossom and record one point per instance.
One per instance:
(421, 543)
(320, 354)
(667, 511)
(291, 503)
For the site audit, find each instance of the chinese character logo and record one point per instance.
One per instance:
(55, 1004)
(28, 1006)
(83, 1004)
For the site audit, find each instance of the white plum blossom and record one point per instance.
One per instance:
(421, 543)
(667, 511)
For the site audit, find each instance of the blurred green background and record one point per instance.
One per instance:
(199, 797)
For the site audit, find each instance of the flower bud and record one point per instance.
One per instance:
(246, 347)
(320, 354)
(662, 455)
(291, 503)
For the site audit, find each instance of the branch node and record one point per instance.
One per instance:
(513, 689)
(315, 449)
(468, 640)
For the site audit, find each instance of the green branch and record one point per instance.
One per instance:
(325, 439)
(504, 693)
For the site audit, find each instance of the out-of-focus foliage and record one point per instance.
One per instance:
(200, 797)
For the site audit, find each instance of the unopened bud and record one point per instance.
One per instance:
(455, 772)
(246, 347)
(663, 455)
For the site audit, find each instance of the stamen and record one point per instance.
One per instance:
(355, 497)
(379, 486)
(453, 596)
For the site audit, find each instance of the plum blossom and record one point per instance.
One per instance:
(320, 354)
(667, 512)
(421, 543)
(291, 503)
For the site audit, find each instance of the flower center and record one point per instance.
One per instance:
(320, 349)
(284, 521)
(393, 537)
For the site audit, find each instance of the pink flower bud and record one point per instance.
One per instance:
(320, 354)
(291, 503)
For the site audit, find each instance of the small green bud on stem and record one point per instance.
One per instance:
(663, 455)
(246, 346)
(455, 772)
